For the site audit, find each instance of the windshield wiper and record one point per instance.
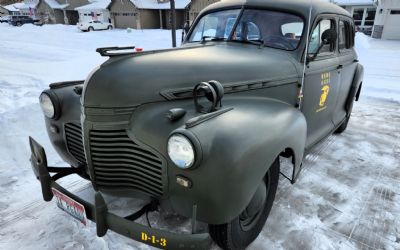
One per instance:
(259, 42)
(212, 38)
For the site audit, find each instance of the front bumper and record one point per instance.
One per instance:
(98, 212)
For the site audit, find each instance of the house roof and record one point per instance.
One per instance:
(28, 5)
(55, 5)
(354, 2)
(155, 5)
(97, 5)
(13, 7)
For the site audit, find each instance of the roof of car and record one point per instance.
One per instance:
(298, 6)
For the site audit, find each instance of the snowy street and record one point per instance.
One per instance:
(347, 196)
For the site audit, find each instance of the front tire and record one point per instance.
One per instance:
(90, 29)
(110, 27)
(245, 228)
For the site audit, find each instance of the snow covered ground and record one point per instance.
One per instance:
(347, 197)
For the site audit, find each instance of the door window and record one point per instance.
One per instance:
(346, 35)
(316, 38)
(342, 36)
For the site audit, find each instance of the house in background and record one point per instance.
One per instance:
(29, 8)
(387, 20)
(59, 11)
(363, 12)
(4, 11)
(196, 6)
(97, 11)
(147, 14)
(13, 9)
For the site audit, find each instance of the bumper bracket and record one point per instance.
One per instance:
(98, 212)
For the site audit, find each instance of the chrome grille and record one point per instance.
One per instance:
(120, 163)
(73, 136)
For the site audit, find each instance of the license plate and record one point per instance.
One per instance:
(70, 206)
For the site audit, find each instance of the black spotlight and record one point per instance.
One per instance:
(213, 91)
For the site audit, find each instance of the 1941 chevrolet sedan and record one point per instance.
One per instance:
(199, 129)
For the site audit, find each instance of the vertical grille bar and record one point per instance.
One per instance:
(73, 135)
(120, 163)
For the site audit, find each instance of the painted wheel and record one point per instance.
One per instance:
(110, 27)
(245, 228)
(90, 28)
(19, 24)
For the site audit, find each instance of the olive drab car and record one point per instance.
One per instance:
(199, 129)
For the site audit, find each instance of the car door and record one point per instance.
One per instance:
(347, 64)
(320, 83)
(95, 25)
(102, 25)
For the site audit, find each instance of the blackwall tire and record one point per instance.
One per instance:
(90, 29)
(234, 235)
(343, 127)
(110, 27)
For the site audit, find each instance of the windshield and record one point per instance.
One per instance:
(262, 27)
(216, 25)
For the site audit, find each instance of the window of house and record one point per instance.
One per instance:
(316, 38)
(358, 16)
(370, 17)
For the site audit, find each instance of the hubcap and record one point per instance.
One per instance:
(249, 217)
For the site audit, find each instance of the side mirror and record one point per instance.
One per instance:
(328, 37)
(185, 30)
(186, 27)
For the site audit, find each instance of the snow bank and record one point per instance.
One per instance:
(381, 61)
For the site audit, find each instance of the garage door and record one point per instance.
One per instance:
(124, 20)
(391, 29)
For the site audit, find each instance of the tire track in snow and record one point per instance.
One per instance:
(368, 234)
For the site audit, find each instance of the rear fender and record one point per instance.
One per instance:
(355, 89)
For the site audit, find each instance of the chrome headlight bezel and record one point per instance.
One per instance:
(50, 105)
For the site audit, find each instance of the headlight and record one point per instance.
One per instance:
(181, 151)
(47, 105)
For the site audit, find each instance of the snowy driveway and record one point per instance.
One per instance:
(347, 197)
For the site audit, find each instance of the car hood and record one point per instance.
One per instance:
(126, 81)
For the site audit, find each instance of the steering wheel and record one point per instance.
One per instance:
(279, 41)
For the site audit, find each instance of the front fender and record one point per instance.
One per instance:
(237, 148)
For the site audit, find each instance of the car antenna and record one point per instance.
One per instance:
(300, 93)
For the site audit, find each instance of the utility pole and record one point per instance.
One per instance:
(173, 22)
